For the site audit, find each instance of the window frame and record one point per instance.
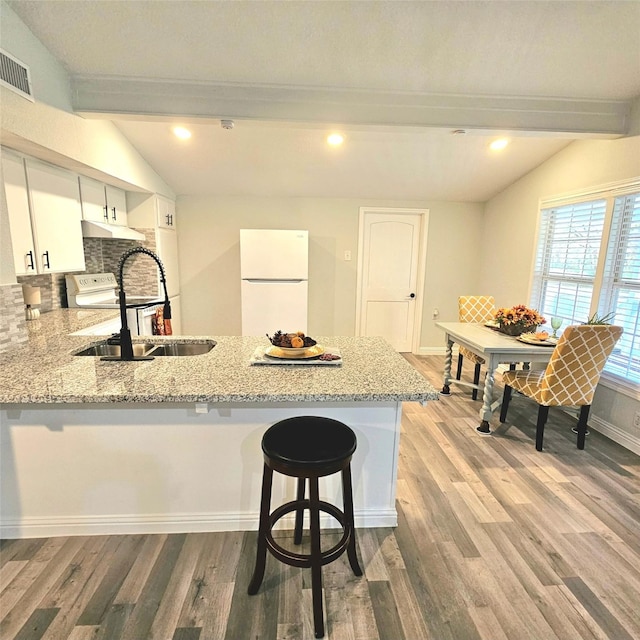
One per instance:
(609, 193)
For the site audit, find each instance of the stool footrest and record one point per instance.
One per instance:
(304, 559)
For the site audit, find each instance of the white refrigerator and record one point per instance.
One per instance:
(274, 272)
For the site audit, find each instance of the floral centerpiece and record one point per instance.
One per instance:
(517, 320)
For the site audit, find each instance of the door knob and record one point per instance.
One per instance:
(412, 295)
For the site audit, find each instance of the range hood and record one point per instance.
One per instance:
(91, 229)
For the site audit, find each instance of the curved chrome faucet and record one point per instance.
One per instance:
(126, 346)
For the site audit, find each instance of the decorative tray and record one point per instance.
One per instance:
(273, 355)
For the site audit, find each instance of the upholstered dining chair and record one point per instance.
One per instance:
(475, 309)
(570, 378)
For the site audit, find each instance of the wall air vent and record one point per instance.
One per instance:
(15, 75)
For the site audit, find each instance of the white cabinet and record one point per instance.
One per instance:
(116, 205)
(166, 213)
(158, 213)
(102, 202)
(176, 316)
(167, 245)
(44, 216)
(56, 218)
(15, 186)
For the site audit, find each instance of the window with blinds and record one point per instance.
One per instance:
(567, 259)
(620, 291)
(588, 261)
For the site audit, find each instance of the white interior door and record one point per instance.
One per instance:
(388, 275)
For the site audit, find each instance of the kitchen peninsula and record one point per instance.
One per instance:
(173, 444)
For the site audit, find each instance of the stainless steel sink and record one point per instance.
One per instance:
(151, 349)
(114, 350)
(182, 349)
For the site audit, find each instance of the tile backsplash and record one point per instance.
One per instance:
(101, 256)
(13, 326)
(140, 272)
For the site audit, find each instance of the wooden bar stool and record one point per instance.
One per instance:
(307, 448)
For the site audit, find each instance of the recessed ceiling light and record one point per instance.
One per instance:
(182, 133)
(499, 144)
(335, 139)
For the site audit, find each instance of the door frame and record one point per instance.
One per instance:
(422, 259)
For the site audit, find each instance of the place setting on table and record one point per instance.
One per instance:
(524, 324)
(295, 349)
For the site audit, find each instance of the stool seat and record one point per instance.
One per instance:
(309, 441)
(307, 448)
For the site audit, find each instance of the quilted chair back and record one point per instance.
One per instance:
(573, 372)
(476, 309)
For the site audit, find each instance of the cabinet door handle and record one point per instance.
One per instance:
(106, 213)
(171, 220)
(168, 220)
(45, 262)
(30, 256)
(114, 212)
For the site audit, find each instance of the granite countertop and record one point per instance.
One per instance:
(44, 370)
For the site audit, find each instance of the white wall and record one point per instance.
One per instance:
(208, 236)
(510, 218)
(508, 241)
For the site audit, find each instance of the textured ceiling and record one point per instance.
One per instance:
(502, 50)
(564, 49)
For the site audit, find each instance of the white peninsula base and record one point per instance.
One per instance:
(89, 469)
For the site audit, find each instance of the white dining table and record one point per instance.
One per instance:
(495, 348)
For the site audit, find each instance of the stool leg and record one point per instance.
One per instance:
(261, 554)
(316, 559)
(297, 535)
(347, 501)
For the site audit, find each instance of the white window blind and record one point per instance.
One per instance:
(620, 292)
(567, 259)
(588, 260)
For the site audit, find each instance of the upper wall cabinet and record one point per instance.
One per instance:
(15, 187)
(44, 219)
(102, 203)
(166, 213)
(56, 218)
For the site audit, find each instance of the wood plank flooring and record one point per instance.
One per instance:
(495, 541)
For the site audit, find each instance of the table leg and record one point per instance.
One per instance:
(487, 398)
(446, 389)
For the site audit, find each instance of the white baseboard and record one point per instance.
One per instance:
(53, 526)
(432, 351)
(616, 434)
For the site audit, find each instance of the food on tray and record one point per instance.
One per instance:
(296, 340)
(540, 335)
(329, 356)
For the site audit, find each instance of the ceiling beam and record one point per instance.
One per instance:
(121, 96)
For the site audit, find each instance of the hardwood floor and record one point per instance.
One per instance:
(495, 541)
